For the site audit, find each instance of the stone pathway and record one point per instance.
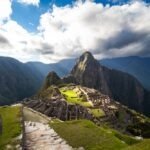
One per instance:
(40, 136)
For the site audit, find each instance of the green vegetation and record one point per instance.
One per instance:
(11, 125)
(143, 145)
(72, 97)
(84, 133)
(97, 112)
(126, 138)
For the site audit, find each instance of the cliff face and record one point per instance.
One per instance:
(118, 85)
(88, 72)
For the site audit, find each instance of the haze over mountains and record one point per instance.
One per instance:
(62, 67)
(27, 78)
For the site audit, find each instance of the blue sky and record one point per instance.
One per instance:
(28, 15)
(49, 31)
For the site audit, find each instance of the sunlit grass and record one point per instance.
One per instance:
(11, 124)
(97, 112)
(143, 145)
(72, 97)
(84, 133)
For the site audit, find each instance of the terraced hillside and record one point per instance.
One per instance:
(69, 102)
(79, 134)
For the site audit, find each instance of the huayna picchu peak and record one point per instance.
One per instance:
(118, 85)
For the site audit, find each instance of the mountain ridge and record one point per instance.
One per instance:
(118, 85)
(17, 80)
(37, 72)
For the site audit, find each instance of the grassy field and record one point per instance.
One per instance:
(11, 125)
(97, 112)
(83, 133)
(72, 97)
(144, 145)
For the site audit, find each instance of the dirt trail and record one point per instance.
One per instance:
(38, 134)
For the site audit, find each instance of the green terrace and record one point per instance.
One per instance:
(72, 97)
(84, 133)
(11, 126)
(97, 112)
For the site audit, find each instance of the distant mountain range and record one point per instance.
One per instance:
(62, 67)
(136, 66)
(119, 85)
(19, 80)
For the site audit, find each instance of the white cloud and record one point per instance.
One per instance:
(91, 26)
(5, 10)
(19, 43)
(30, 2)
(106, 31)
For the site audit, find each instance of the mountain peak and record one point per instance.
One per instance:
(86, 69)
(51, 79)
(87, 53)
(86, 57)
(85, 61)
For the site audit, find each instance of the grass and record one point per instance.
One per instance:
(97, 112)
(126, 138)
(84, 133)
(143, 145)
(11, 125)
(72, 97)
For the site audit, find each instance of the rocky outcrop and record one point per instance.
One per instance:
(118, 85)
(51, 79)
(69, 79)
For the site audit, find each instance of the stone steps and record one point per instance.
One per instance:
(40, 136)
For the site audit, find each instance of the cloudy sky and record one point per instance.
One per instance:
(51, 30)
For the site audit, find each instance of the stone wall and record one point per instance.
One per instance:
(59, 109)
